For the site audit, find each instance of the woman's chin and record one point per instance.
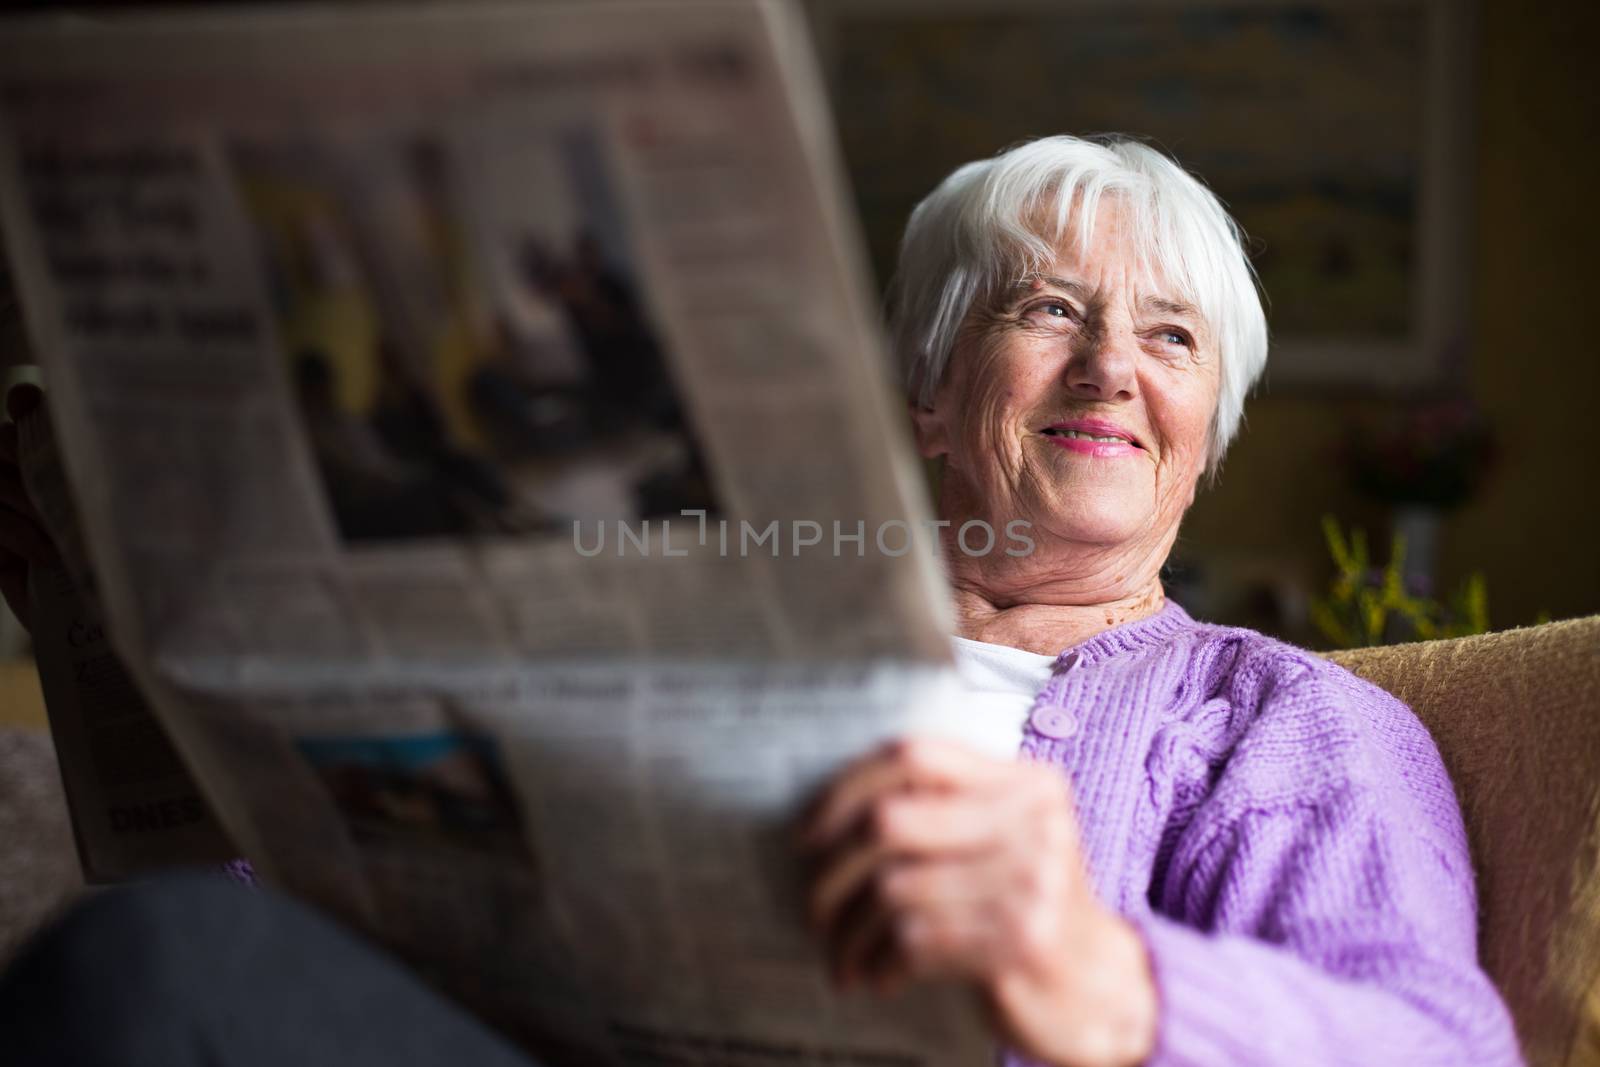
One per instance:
(1099, 535)
(1100, 527)
(1096, 512)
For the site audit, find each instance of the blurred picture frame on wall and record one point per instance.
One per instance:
(1337, 131)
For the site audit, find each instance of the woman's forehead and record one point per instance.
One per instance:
(1112, 245)
(1089, 281)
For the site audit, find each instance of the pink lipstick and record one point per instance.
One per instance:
(1093, 437)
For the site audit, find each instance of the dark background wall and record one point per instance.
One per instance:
(1530, 352)
(1534, 528)
(1536, 361)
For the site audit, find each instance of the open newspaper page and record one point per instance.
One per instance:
(483, 446)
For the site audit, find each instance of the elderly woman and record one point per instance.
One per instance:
(1219, 849)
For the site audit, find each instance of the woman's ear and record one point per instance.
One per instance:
(928, 426)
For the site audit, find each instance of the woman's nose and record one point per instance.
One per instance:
(1102, 366)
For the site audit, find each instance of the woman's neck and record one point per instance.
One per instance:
(1046, 628)
(1058, 593)
(1055, 596)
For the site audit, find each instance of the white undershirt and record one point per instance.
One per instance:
(1001, 683)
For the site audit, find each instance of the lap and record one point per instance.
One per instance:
(197, 970)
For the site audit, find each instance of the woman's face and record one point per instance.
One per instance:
(1080, 401)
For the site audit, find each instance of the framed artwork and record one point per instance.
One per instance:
(1337, 132)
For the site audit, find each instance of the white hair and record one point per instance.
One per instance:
(990, 224)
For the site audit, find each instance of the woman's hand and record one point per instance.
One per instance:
(935, 861)
(23, 540)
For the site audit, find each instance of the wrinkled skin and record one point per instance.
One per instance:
(1109, 345)
(934, 861)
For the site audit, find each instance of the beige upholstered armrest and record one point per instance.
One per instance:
(1516, 716)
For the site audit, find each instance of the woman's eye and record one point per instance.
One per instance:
(1175, 337)
(1053, 311)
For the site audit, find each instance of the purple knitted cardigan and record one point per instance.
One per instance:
(1286, 841)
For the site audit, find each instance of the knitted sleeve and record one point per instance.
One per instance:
(1319, 908)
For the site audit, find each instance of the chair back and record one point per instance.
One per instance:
(1516, 716)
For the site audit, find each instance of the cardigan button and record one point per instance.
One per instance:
(1054, 722)
(1070, 661)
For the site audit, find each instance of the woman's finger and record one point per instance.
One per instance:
(910, 763)
(935, 942)
(924, 917)
(936, 825)
(953, 917)
(964, 883)
(866, 943)
(940, 761)
(863, 947)
(842, 805)
(844, 876)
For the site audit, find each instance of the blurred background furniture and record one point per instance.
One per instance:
(1516, 716)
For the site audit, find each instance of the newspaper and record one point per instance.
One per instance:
(488, 472)
(134, 806)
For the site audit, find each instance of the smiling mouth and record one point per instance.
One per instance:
(1085, 435)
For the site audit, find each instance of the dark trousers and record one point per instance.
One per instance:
(197, 971)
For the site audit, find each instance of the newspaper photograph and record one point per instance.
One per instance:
(489, 476)
(465, 359)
